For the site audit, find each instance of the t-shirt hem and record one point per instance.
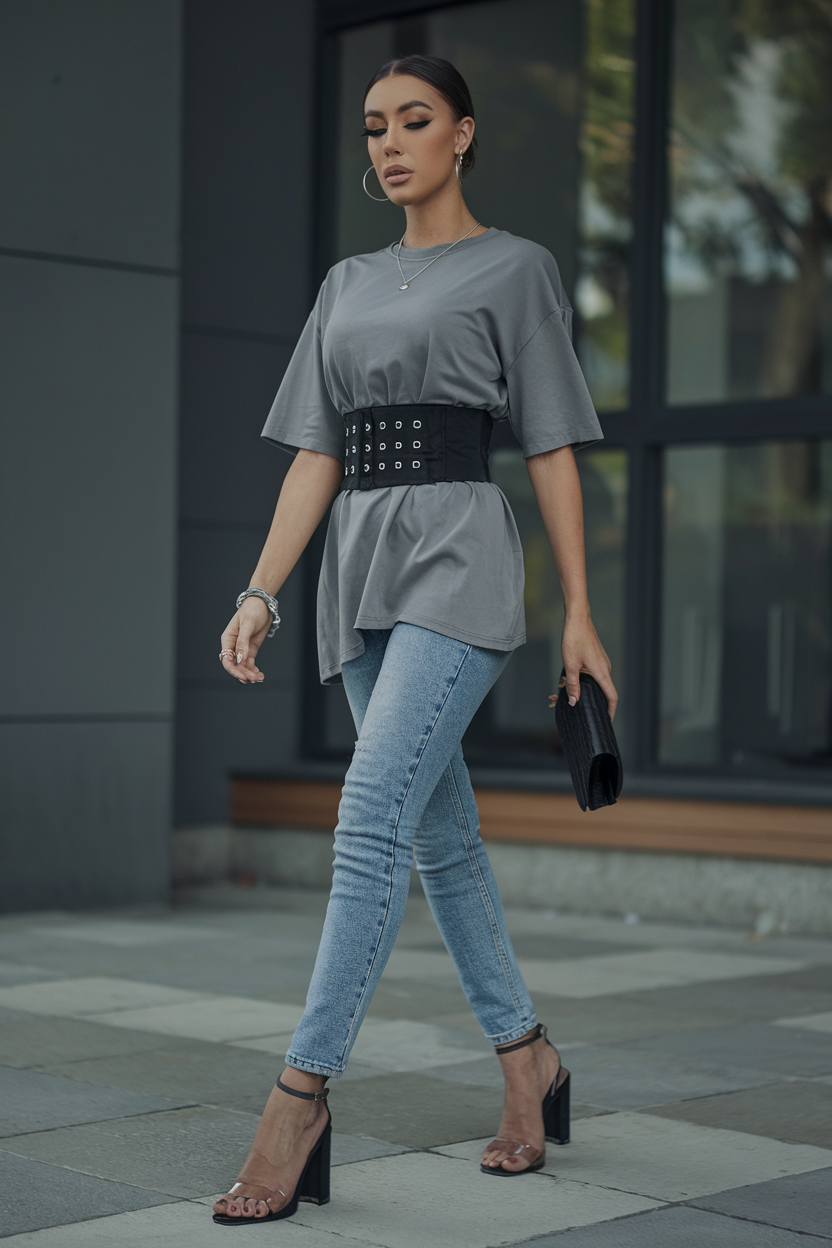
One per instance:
(554, 444)
(308, 444)
(333, 670)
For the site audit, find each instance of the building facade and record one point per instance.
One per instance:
(183, 178)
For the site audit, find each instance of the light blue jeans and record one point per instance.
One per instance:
(412, 694)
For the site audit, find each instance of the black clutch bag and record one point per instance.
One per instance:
(590, 747)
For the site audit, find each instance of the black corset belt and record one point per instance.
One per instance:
(415, 444)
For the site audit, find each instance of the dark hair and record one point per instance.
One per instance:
(444, 78)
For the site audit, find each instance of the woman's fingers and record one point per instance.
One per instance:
(609, 691)
(240, 643)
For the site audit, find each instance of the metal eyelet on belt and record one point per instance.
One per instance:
(352, 448)
(382, 446)
(416, 445)
(366, 446)
(382, 424)
(398, 446)
(382, 467)
(367, 428)
(366, 467)
(353, 428)
(352, 468)
(417, 424)
(417, 463)
(398, 424)
(398, 463)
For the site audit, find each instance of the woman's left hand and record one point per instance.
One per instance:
(582, 652)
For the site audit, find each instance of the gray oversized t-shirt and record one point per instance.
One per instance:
(487, 326)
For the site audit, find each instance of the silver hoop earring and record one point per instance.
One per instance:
(384, 199)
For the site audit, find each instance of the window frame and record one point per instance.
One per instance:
(643, 429)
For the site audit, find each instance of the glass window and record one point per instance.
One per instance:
(747, 610)
(515, 725)
(553, 89)
(748, 258)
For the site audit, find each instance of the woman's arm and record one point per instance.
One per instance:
(557, 488)
(310, 486)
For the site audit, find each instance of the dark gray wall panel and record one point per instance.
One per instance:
(250, 142)
(222, 731)
(87, 494)
(91, 165)
(249, 151)
(229, 475)
(85, 814)
(214, 566)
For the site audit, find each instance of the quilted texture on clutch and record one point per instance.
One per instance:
(589, 745)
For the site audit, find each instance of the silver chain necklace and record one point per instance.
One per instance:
(407, 280)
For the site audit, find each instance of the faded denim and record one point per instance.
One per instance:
(412, 694)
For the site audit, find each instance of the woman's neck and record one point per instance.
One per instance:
(429, 224)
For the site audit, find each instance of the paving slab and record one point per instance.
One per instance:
(625, 1016)
(21, 973)
(422, 1002)
(681, 1227)
(34, 1195)
(618, 1077)
(420, 1198)
(184, 1224)
(209, 1018)
(766, 997)
(128, 933)
(777, 1050)
(347, 1149)
(413, 1109)
(91, 995)
(672, 1162)
(799, 1112)
(652, 968)
(43, 1041)
(34, 1101)
(399, 1045)
(809, 1022)
(185, 1152)
(800, 1202)
(187, 1070)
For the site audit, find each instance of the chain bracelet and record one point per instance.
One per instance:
(270, 602)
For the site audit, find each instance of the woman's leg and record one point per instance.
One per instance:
(425, 693)
(464, 900)
(465, 903)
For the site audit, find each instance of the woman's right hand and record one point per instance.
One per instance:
(243, 638)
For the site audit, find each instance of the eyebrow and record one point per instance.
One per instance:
(373, 112)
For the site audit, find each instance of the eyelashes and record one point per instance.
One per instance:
(411, 125)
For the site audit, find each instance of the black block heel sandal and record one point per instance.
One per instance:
(555, 1111)
(313, 1184)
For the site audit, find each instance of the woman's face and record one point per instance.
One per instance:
(412, 138)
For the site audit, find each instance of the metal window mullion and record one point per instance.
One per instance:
(647, 351)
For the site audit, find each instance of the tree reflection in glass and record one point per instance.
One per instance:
(749, 239)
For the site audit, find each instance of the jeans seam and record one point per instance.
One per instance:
(393, 843)
(467, 840)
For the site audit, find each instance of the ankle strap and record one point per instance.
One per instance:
(304, 1096)
(539, 1031)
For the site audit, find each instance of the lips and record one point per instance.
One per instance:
(396, 174)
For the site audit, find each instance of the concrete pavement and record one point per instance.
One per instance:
(136, 1051)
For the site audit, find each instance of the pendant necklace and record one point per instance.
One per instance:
(407, 280)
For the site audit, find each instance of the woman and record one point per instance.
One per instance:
(387, 403)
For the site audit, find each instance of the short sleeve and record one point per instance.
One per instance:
(303, 416)
(549, 403)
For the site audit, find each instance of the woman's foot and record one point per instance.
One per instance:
(529, 1073)
(288, 1131)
